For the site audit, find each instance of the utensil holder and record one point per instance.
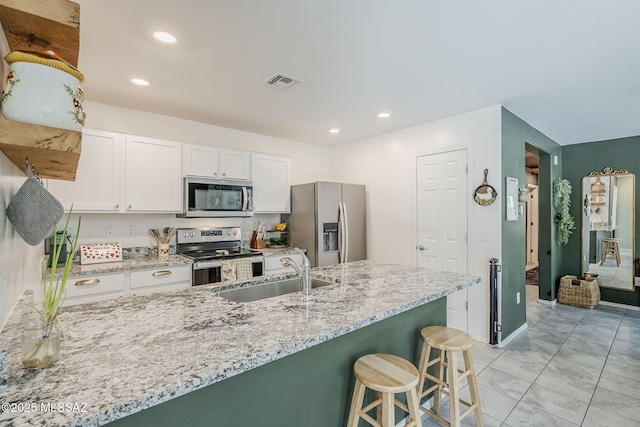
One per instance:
(163, 249)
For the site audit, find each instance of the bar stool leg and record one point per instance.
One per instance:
(437, 395)
(388, 410)
(473, 389)
(414, 407)
(356, 404)
(452, 380)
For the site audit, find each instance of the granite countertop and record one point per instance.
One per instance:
(278, 251)
(122, 356)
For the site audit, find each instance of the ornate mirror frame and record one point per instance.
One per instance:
(608, 200)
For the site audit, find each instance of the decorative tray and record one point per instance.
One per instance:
(100, 252)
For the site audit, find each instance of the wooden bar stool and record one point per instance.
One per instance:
(387, 375)
(447, 342)
(610, 246)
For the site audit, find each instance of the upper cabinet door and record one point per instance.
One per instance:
(214, 162)
(200, 160)
(99, 184)
(271, 183)
(235, 164)
(153, 175)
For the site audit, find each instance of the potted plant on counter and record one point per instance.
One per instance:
(41, 337)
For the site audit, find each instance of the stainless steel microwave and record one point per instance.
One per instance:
(212, 198)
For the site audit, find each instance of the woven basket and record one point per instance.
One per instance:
(579, 293)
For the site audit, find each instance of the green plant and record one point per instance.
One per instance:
(565, 223)
(43, 349)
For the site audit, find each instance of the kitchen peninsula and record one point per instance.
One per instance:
(190, 357)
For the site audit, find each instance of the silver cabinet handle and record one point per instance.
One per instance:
(87, 282)
(422, 248)
(161, 273)
(116, 206)
(224, 174)
(128, 206)
(215, 174)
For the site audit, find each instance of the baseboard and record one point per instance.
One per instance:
(618, 305)
(546, 302)
(513, 335)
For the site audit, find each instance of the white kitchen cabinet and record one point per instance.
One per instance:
(153, 176)
(160, 279)
(99, 184)
(271, 176)
(273, 265)
(214, 162)
(123, 173)
(83, 289)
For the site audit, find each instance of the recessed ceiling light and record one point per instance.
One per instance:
(163, 34)
(139, 82)
(334, 130)
(164, 37)
(384, 115)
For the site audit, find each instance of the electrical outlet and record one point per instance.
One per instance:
(131, 231)
(110, 232)
(518, 298)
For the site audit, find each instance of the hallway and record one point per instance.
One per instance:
(571, 367)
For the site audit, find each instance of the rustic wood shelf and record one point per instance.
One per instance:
(42, 25)
(38, 26)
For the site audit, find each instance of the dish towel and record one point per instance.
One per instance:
(228, 270)
(244, 269)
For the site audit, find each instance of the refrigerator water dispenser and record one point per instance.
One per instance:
(330, 236)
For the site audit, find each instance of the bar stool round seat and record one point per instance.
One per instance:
(611, 246)
(387, 375)
(446, 343)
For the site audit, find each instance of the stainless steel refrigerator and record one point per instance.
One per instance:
(328, 220)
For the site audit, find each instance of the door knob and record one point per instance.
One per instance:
(422, 248)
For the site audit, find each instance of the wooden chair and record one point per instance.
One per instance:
(447, 342)
(387, 375)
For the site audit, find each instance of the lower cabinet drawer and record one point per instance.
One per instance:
(83, 288)
(161, 276)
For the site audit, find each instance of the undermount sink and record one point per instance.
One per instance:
(268, 290)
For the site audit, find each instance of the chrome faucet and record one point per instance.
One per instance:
(304, 273)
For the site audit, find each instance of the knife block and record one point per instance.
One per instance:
(256, 243)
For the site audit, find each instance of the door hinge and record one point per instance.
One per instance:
(467, 305)
(466, 169)
(466, 237)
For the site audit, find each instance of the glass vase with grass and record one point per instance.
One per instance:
(41, 337)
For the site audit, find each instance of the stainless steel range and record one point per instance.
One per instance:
(208, 247)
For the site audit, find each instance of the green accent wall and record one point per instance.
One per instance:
(580, 159)
(518, 137)
(311, 388)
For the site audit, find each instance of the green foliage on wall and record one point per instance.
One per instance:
(565, 223)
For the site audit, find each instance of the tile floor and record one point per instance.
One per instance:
(571, 367)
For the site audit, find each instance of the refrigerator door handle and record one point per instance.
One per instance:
(340, 233)
(345, 235)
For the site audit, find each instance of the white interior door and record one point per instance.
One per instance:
(532, 226)
(442, 197)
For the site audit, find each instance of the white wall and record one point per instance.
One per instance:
(19, 263)
(386, 165)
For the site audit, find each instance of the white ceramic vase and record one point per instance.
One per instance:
(43, 95)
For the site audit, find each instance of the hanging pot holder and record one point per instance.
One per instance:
(33, 211)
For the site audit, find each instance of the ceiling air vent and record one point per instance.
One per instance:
(281, 81)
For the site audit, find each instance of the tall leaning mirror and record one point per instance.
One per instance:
(608, 227)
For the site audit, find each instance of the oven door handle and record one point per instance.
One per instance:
(206, 264)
